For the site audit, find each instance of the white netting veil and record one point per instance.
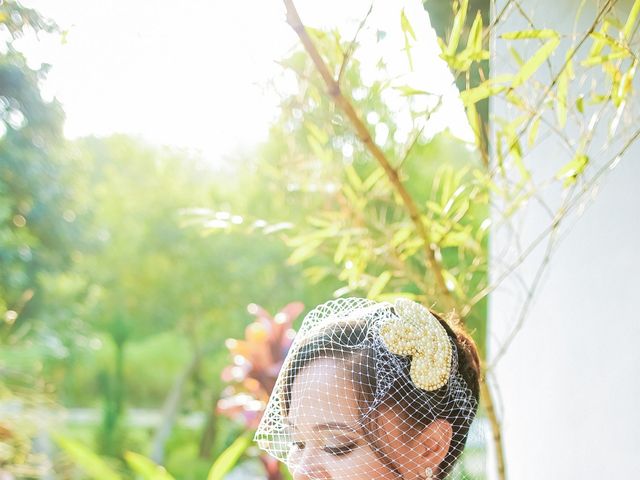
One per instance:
(370, 390)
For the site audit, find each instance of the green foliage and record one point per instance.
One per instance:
(357, 228)
(146, 468)
(92, 464)
(225, 462)
(34, 234)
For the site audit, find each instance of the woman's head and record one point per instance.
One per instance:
(348, 408)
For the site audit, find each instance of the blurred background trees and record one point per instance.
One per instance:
(109, 299)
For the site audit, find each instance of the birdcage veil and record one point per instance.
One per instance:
(365, 390)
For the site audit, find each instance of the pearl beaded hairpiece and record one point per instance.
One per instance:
(416, 332)
(393, 354)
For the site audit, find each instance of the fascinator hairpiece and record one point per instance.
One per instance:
(416, 332)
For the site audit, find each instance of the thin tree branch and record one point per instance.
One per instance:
(563, 210)
(410, 147)
(352, 45)
(527, 304)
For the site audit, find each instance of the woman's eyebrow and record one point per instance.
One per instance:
(333, 426)
(326, 426)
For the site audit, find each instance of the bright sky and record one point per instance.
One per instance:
(194, 73)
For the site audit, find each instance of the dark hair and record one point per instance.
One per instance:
(343, 340)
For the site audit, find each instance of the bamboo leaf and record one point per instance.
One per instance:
(452, 200)
(627, 30)
(353, 177)
(406, 25)
(626, 82)
(319, 222)
(475, 123)
(608, 40)
(91, 463)
(341, 249)
(447, 185)
(351, 196)
(482, 91)
(516, 153)
(443, 48)
(461, 62)
(320, 135)
(516, 56)
(600, 59)
(377, 175)
(410, 91)
(304, 252)
(510, 129)
(229, 458)
(598, 98)
(407, 31)
(531, 65)
(456, 30)
(322, 234)
(527, 34)
(615, 87)
(561, 104)
(533, 131)
(146, 468)
(379, 284)
(460, 174)
(316, 274)
(401, 235)
(318, 149)
(474, 41)
(434, 207)
(461, 211)
(512, 97)
(390, 297)
(571, 170)
(599, 43)
(485, 180)
(613, 20)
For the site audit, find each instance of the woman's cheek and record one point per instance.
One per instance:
(357, 465)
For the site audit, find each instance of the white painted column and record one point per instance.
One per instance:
(570, 382)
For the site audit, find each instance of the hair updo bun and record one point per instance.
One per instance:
(468, 356)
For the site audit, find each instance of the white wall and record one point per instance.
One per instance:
(570, 382)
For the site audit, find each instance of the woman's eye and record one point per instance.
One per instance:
(341, 450)
(299, 445)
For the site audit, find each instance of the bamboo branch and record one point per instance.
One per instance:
(496, 428)
(333, 88)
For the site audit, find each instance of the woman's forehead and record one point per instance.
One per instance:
(323, 393)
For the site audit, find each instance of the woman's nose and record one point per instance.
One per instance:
(309, 467)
